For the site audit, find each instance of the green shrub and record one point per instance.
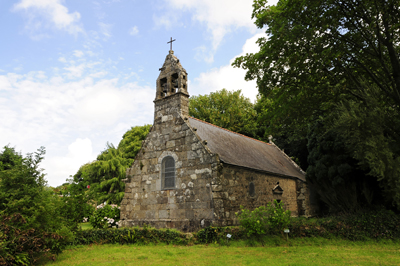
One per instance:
(26, 246)
(214, 234)
(145, 235)
(105, 216)
(381, 224)
(74, 208)
(264, 220)
(29, 211)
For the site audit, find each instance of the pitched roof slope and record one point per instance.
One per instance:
(237, 149)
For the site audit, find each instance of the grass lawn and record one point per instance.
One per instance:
(85, 226)
(294, 252)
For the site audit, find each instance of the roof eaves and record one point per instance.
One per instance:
(290, 159)
(264, 171)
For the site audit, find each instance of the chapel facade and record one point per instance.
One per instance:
(191, 174)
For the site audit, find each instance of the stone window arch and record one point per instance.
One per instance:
(160, 167)
(168, 172)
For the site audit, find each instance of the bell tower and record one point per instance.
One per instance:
(172, 95)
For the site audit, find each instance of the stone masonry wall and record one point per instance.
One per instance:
(188, 206)
(230, 190)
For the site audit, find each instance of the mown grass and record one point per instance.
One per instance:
(85, 226)
(315, 251)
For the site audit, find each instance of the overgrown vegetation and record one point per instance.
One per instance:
(31, 219)
(336, 62)
(372, 224)
(256, 226)
(270, 219)
(24, 245)
(145, 235)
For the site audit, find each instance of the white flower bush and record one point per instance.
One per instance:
(102, 216)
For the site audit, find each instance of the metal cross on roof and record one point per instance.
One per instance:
(171, 42)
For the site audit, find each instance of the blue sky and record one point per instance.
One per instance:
(75, 74)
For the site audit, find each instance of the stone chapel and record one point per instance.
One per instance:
(191, 174)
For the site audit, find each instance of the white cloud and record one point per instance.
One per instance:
(54, 112)
(250, 46)
(18, 68)
(166, 20)
(220, 17)
(228, 77)
(132, 74)
(5, 84)
(134, 30)
(59, 168)
(75, 71)
(105, 29)
(40, 12)
(62, 59)
(204, 54)
(78, 53)
(99, 74)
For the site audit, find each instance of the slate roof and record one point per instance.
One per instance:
(240, 150)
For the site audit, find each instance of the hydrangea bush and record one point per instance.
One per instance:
(105, 216)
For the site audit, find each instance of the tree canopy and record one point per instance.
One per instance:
(22, 185)
(226, 109)
(336, 60)
(317, 52)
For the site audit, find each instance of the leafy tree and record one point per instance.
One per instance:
(22, 185)
(295, 147)
(370, 132)
(338, 60)
(131, 141)
(9, 158)
(101, 180)
(30, 219)
(318, 51)
(230, 110)
(112, 165)
(332, 171)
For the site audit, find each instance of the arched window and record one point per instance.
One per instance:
(252, 189)
(168, 172)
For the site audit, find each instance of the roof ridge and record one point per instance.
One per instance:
(229, 130)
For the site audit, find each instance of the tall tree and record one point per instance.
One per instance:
(317, 51)
(333, 172)
(22, 184)
(339, 60)
(23, 191)
(226, 109)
